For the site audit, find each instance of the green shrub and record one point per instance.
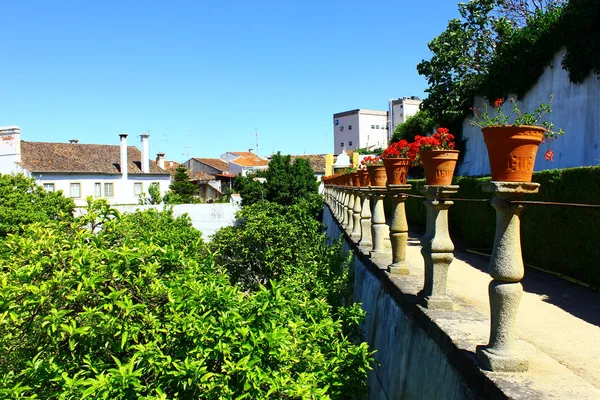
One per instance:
(272, 242)
(122, 306)
(557, 239)
(285, 182)
(23, 201)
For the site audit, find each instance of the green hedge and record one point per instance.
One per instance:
(558, 239)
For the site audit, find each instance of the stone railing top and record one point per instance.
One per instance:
(438, 190)
(511, 187)
(399, 188)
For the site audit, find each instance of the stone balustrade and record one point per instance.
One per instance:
(360, 212)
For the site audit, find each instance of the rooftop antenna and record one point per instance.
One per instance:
(152, 145)
(256, 133)
(166, 143)
(186, 149)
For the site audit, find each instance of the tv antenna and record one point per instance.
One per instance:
(166, 143)
(186, 149)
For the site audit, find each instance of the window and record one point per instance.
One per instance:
(372, 126)
(137, 189)
(98, 189)
(341, 128)
(49, 187)
(376, 126)
(342, 144)
(76, 190)
(108, 189)
(349, 143)
(349, 127)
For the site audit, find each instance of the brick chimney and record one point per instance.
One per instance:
(123, 137)
(10, 142)
(145, 153)
(160, 160)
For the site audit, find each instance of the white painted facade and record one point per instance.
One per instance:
(576, 109)
(123, 192)
(402, 109)
(117, 188)
(358, 129)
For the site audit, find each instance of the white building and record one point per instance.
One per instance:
(242, 162)
(82, 170)
(403, 108)
(357, 129)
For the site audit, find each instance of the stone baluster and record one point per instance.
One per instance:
(365, 220)
(398, 229)
(507, 270)
(349, 217)
(356, 230)
(338, 194)
(437, 247)
(378, 227)
(345, 199)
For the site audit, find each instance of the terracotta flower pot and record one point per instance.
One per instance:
(355, 179)
(512, 150)
(363, 174)
(439, 166)
(396, 170)
(377, 175)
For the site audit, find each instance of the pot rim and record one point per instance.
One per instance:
(441, 151)
(512, 126)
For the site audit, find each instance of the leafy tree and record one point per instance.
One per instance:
(520, 11)
(155, 197)
(133, 312)
(288, 182)
(420, 123)
(285, 182)
(181, 185)
(461, 57)
(23, 201)
(250, 188)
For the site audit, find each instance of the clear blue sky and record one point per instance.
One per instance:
(92, 69)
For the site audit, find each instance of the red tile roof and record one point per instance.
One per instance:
(317, 162)
(81, 158)
(200, 176)
(248, 159)
(215, 163)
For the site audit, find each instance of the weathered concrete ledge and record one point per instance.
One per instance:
(430, 354)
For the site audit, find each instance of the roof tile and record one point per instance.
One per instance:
(81, 158)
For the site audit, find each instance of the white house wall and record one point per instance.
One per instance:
(576, 109)
(123, 193)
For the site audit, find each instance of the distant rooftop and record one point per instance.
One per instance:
(360, 111)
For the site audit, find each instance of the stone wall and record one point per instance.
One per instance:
(410, 364)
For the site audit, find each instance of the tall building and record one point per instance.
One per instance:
(403, 108)
(356, 129)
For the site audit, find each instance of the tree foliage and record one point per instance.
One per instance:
(138, 308)
(23, 201)
(461, 57)
(519, 12)
(285, 182)
(181, 185)
(419, 124)
(154, 195)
